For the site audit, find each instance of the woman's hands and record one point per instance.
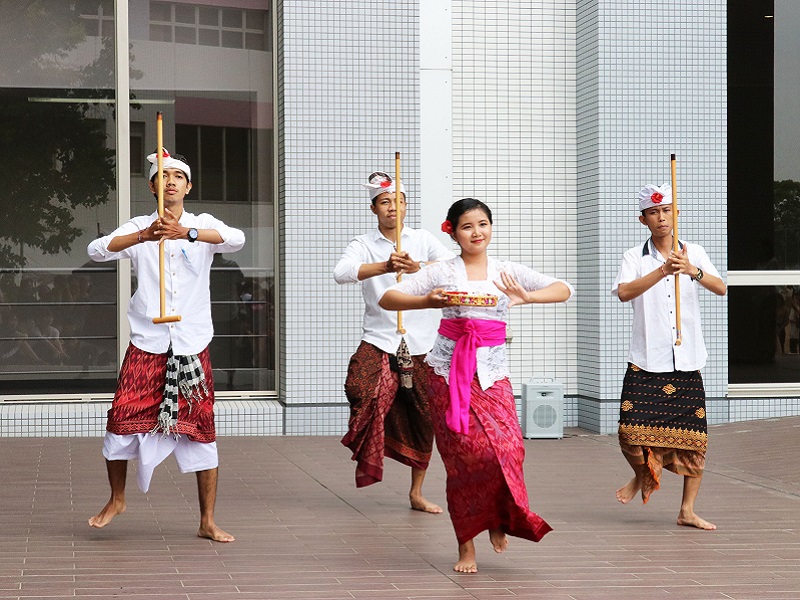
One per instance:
(555, 292)
(436, 298)
(511, 288)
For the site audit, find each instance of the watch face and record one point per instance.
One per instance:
(192, 234)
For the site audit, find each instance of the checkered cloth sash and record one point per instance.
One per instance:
(185, 375)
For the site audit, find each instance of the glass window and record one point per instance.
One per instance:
(232, 17)
(161, 11)
(227, 137)
(184, 14)
(232, 39)
(137, 148)
(208, 37)
(161, 33)
(185, 35)
(764, 188)
(209, 16)
(58, 309)
(226, 27)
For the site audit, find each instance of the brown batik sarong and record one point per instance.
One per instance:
(662, 424)
(385, 419)
(140, 391)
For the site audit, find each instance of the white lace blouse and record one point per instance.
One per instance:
(451, 275)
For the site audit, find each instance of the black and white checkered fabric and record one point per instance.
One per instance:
(184, 374)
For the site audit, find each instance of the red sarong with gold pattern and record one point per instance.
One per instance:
(140, 390)
(662, 424)
(485, 480)
(385, 419)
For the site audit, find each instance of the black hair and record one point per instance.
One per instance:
(464, 205)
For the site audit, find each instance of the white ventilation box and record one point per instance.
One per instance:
(542, 409)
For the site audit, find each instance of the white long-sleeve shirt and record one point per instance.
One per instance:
(654, 325)
(379, 326)
(187, 269)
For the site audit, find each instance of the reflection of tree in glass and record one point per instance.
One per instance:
(55, 155)
(36, 35)
(786, 196)
(54, 160)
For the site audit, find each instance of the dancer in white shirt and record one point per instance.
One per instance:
(164, 401)
(662, 421)
(387, 419)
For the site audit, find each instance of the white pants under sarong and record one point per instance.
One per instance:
(151, 450)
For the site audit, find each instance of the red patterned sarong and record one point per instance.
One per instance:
(140, 390)
(386, 420)
(485, 481)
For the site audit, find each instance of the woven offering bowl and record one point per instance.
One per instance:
(466, 299)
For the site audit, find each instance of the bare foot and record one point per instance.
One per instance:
(692, 520)
(420, 503)
(466, 558)
(214, 533)
(498, 539)
(628, 491)
(110, 510)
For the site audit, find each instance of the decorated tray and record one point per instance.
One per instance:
(467, 299)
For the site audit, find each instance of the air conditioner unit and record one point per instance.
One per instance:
(542, 409)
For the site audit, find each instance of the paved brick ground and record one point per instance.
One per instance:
(304, 532)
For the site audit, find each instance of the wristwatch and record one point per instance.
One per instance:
(699, 275)
(422, 264)
(192, 234)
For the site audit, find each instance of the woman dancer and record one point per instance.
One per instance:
(472, 403)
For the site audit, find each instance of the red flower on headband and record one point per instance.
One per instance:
(657, 197)
(385, 184)
(447, 227)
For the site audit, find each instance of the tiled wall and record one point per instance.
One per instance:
(514, 148)
(651, 81)
(349, 94)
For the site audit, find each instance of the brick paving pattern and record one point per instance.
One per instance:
(304, 532)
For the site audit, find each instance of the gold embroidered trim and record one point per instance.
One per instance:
(663, 437)
(635, 368)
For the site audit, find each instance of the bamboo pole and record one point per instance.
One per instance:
(399, 229)
(676, 249)
(163, 318)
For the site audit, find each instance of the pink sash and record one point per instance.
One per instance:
(469, 335)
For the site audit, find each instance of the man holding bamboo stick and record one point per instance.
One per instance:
(164, 401)
(386, 418)
(662, 414)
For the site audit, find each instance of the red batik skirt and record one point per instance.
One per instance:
(385, 419)
(485, 481)
(140, 390)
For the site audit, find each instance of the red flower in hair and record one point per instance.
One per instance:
(657, 197)
(385, 184)
(447, 227)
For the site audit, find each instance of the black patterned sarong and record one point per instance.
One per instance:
(662, 423)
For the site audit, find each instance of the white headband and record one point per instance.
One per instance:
(380, 183)
(652, 195)
(167, 163)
